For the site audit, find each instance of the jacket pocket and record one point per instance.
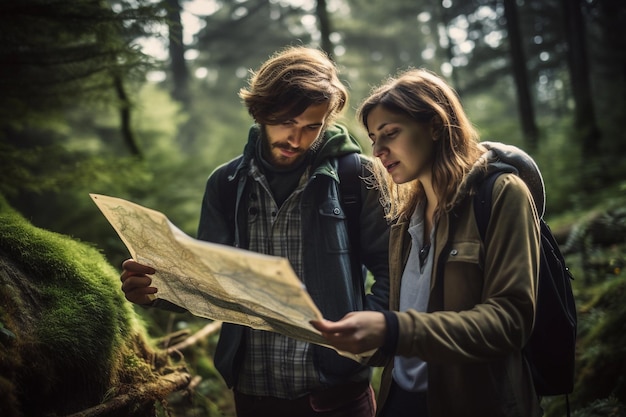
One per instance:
(467, 252)
(333, 227)
(463, 276)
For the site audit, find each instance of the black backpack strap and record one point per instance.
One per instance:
(482, 202)
(349, 171)
(227, 190)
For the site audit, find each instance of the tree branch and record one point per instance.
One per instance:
(162, 387)
(206, 331)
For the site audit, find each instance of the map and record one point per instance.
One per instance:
(213, 281)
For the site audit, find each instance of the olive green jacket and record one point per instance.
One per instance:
(481, 306)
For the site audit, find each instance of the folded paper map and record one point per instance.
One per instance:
(213, 281)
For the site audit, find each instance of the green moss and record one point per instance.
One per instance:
(602, 362)
(75, 338)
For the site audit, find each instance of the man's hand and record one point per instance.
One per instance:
(136, 282)
(356, 332)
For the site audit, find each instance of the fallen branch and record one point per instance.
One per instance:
(206, 331)
(172, 338)
(143, 393)
(159, 389)
(195, 381)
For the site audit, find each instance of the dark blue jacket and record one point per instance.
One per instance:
(326, 246)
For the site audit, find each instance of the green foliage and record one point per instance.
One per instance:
(559, 161)
(179, 167)
(54, 168)
(58, 52)
(602, 361)
(84, 155)
(64, 79)
(493, 114)
(606, 407)
(600, 383)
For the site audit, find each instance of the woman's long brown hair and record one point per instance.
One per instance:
(426, 98)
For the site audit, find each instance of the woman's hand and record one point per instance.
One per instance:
(356, 332)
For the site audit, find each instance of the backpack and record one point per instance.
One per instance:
(550, 350)
(349, 172)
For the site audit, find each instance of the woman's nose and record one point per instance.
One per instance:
(377, 150)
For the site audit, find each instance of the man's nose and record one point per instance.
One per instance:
(295, 137)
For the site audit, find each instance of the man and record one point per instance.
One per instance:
(287, 203)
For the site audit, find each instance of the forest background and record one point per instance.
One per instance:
(138, 99)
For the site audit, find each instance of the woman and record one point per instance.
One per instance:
(461, 309)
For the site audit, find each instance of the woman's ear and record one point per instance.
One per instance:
(436, 127)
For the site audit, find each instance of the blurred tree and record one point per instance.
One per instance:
(518, 63)
(584, 117)
(378, 39)
(55, 53)
(176, 48)
(243, 33)
(324, 26)
(605, 27)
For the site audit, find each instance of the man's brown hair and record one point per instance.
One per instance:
(289, 82)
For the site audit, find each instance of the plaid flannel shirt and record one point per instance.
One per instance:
(276, 365)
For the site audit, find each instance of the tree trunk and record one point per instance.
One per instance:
(584, 117)
(518, 61)
(445, 23)
(178, 66)
(324, 22)
(125, 116)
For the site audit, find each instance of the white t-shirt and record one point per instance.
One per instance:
(411, 373)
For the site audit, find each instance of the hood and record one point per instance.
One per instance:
(505, 158)
(336, 141)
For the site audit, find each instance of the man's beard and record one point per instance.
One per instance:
(267, 147)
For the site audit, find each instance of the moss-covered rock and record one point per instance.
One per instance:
(68, 338)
